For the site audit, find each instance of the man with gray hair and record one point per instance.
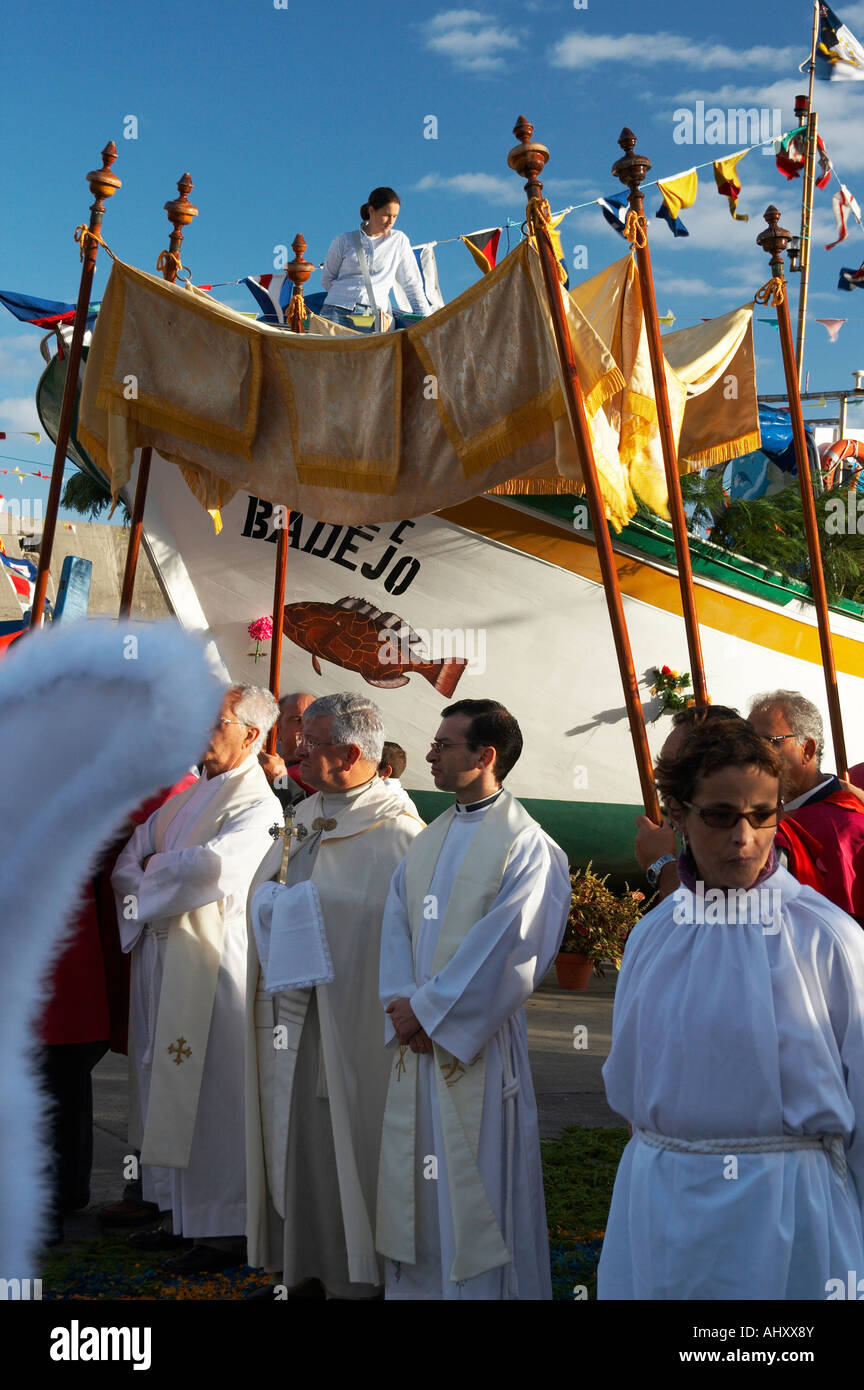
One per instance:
(181, 885)
(317, 1067)
(817, 803)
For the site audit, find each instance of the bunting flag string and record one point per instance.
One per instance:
(729, 184)
(841, 203)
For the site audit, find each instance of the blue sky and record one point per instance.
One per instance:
(286, 117)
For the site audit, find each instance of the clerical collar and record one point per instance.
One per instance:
(818, 793)
(335, 801)
(477, 805)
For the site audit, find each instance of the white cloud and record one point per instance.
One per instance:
(473, 41)
(19, 413)
(21, 361)
(840, 108)
(588, 50)
(489, 186)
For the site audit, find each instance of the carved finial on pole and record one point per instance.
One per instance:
(631, 168)
(774, 240)
(180, 213)
(103, 183)
(298, 272)
(528, 158)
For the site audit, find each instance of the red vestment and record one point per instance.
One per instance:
(837, 823)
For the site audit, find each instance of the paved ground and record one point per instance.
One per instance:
(567, 1082)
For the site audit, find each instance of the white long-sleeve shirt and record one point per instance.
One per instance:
(390, 258)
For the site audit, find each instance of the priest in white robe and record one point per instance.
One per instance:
(317, 1067)
(473, 922)
(738, 1057)
(181, 885)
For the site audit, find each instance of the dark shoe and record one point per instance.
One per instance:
(128, 1213)
(308, 1288)
(267, 1293)
(156, 1238)
(202, 1259)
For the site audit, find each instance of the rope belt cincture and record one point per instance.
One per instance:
(832, 1144)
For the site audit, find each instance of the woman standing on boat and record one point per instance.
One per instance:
(738, 1056)
(361, 266)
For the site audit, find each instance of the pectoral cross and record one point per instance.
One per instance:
(181, 1049)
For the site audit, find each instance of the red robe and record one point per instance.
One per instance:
(837, 823)
(89, 987)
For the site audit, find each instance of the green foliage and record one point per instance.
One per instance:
(600, 921)
(83, 494)
(770, 532)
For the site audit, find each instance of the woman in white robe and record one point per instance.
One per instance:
(736, 1020)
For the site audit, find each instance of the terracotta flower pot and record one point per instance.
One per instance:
(573, 971)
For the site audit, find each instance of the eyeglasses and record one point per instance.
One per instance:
(776, 739)
(440, 745)
(313, 744)
(719, 818)
(224, 720)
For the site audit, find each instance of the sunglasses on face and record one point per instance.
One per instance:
(724, 818)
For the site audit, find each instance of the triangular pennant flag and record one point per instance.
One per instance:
(484, 247)
(614, 211)
(558, 248)
(773, 322)
(833, 327)
(676, 226)
(791, 155)
(851, 279)
(425, 257)
(668, 317)
(839, 55)
(729, 184)
(679, 192)
(842, 204)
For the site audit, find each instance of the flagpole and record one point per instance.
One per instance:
(631, 170)
(103, 184)
(774, 241)
(807, 198)
(528, 159)
(298, 272)
(180, 213)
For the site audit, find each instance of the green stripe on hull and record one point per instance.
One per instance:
(586, 830)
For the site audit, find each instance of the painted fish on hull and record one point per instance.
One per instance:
(381, 647)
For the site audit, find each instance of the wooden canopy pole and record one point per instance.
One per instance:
(180, 213)
(103, 184)
(774, 241)
(631, 170)
(298, 272)
(529, 159)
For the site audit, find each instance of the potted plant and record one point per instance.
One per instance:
(597, 928)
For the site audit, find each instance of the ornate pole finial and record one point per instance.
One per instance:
(180, 212)
(104, 184)
(631, 168)
(774, 240)
(528, 158)
(298, 272)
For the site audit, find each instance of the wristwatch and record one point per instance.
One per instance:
(652, 873)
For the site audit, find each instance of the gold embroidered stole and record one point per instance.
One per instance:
(479, 1245)
(192, 959)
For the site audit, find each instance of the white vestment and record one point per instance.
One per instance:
(317, 1067)
(207, 1196)
(471, 1005)
(735, 1030)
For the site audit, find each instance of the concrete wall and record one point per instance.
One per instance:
(105, 546)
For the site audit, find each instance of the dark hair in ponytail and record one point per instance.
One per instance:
(379, 198)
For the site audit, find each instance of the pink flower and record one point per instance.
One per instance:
(261, 630)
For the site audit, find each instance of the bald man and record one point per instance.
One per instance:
(282, 772)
